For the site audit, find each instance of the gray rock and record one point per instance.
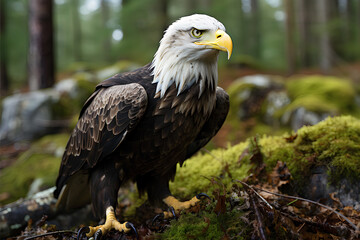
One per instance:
(275, 101)
(302, 117)
(251, 93)
(266, 98)
(320, 187)
(68, 86)
(27, 115)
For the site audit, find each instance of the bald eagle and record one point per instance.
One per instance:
(137, 126)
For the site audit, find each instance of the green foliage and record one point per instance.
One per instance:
(16, 39)
(142, 25)
(257, 30)
(42, 161)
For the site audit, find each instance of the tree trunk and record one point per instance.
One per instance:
(344, 13)
(354, 27)
(41, 51)
(305, 21)
(255, 29)
(290, 28)
(324, 38)
(357, 23)
(4, 81)
(76, 30)
(14, 217)
(300, 19)
(107, 35)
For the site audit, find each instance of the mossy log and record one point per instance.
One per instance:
(15, 216)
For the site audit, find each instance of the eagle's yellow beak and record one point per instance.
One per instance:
(220, 41)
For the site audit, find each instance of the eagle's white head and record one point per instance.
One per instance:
(188, 53)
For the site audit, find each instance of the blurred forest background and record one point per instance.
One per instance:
(302, 57)
(277, 35)
(294, 63)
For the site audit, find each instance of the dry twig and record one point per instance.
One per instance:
(313, 202)
(49, 233)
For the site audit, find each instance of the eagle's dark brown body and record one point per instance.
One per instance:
(127, 132)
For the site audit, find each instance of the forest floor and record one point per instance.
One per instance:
(254, 208)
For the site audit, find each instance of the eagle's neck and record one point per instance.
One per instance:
(175, 68)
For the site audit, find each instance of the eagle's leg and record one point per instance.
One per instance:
(110, 223)
(104, 184)
(178, 206)
(158, 191)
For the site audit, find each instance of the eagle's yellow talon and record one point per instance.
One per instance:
(110, 223)
(178, 206)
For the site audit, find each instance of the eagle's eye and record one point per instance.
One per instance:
(196, 32)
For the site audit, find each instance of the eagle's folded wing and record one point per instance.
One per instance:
(104, 123)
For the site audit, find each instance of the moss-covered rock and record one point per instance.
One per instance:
(247, 94)
(332, 143)
(321, 94)
(272, 104)
(74, 92)
(254, 102)
(194, 176)
(41, 161)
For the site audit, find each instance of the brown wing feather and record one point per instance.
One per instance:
(112, 113)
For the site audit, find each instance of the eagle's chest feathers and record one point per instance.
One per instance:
(174, 121)
(179, 118)
(188, 103)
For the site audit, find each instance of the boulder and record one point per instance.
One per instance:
(27, 116)
(294, 102)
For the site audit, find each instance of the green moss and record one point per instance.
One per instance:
(85, 87)
(42, 160)
(63, 108)
(67, 105)
(206, 225)
(322, 94)
(51, 142)
(333, 143)
(194, 176)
